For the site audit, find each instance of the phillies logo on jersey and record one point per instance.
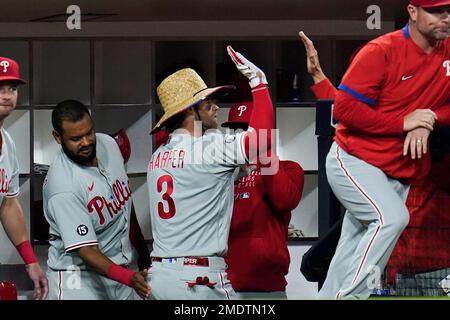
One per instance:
(242, 109)
(4, 182)
(5, 65)
(122, 193)
(446, 65)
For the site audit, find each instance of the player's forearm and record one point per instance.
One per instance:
(284, 189)
(324, 89)
(361, 117)
(13, 221)
(258, 139)
(95, 259)
(262, 117)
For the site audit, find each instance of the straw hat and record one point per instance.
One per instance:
(182, 90)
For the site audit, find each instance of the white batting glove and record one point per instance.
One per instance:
(248, 69)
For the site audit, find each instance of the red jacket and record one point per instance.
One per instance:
(425, 243)
(389, 78)
(258, 257)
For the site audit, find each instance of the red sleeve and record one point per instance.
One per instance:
(284, 189)
(359, 91)
(364, 78)
(443, 114)
(260, 125)
(161, 137)
(324, 90)
(361, 117)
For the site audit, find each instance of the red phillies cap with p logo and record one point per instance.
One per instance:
(239, 114)
(9, 70)
(429, 3)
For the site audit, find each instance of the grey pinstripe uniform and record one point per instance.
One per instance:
(87, 206)
(190, 183)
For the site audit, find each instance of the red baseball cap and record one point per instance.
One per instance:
(239, 114)
(429, 3)
(122, 140)
(8, 290)
(9, 70)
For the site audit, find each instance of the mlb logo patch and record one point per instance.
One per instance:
(230, 138)
(244, 195)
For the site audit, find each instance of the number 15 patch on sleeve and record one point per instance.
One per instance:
(82, 230)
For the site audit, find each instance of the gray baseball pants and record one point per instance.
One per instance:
(375, 217)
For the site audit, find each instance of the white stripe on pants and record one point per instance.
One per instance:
(375, 217)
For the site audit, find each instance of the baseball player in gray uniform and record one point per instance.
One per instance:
(87, 201)
(190, 181)
(11, 214)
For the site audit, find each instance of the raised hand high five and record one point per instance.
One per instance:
(248, 69)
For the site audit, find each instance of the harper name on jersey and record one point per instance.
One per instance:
(164, 159)
(191, 208)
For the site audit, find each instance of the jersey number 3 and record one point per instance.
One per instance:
(167, 181)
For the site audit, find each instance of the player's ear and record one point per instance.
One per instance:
(412, 10)
(57, 136)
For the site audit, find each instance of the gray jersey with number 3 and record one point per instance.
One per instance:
(190, 182)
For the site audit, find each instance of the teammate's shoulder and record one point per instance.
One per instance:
(106, 145)
(60, 175)
(7, 139)
(291, 165)
(104, 138)
(394, 38)
(381, 48)
(6, 133)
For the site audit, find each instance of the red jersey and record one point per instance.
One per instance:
(258, 257)
(389, 78)
(424, 245)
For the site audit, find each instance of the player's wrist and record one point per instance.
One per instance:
(259, 87)
(318, 76)
(120, 274)
(26, 252)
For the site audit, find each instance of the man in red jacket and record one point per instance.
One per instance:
(421, 258)
(258, 257)
(384, 115)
